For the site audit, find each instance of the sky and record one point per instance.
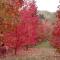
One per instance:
(49, 5)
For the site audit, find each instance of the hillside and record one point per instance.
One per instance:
(48, 15)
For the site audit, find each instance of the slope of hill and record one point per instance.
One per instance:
(48, 15)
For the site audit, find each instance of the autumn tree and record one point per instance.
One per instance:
(25, 33)
(28, 27)
(55, 41)
(12, 17)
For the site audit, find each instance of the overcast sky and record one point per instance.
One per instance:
(49, 5)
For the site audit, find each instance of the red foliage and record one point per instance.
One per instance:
(25, 33)
(26, 30)
(10, 39)
(55, 41)
(15, 2)
(41, 31)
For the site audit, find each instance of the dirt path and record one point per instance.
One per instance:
(40, 54)
(36, 54)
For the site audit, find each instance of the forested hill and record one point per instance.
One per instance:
(48, 15)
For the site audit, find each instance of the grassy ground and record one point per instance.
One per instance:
(35, 54)
(43, 51)
(44, 44)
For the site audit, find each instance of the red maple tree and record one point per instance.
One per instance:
(25, 33)
(28, 27)
(26, 30)
(55, 41)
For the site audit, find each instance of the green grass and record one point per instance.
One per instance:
(44, 44)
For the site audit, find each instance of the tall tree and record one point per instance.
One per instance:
(55, 41)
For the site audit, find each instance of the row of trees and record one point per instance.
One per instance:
(30, 30)
(55, 39)
(25, 32)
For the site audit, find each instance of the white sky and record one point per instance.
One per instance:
(49, 5)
